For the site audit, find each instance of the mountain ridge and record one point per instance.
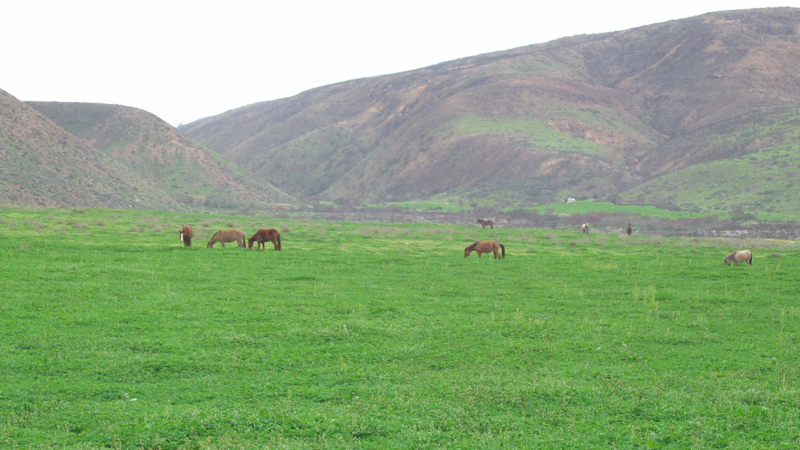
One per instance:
(109, 156)
(590, 115)
(163, 156)
(700, 114)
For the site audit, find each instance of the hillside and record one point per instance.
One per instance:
(43, 164)
(645, 115)
(165, 159)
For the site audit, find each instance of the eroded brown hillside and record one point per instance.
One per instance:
(44, 165)
(164, 157)
(588, 115)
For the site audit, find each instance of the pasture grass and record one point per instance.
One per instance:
(112, 335)
(457, 204)
(591, 206)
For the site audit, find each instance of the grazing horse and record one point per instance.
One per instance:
(263, 236)
(629, 230)
(486, 223)
(738, 256)
(486, 247)
(585, 228)
(227, 236)
(186, 235)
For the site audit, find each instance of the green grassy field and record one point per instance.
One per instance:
(561, 208)
(590, 206)
(112, 335)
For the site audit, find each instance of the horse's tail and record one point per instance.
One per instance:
(750, 260)
(279, 241)
(503, 248)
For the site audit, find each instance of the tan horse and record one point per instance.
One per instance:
(263, 236)
(227, 236)
(738, 256)
(585, 228)
(486, 223)
(486, 247)
(186, 235)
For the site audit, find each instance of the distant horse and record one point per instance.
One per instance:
(186, 235)
(263, 236)
(585, 228)
(486, 223)
(738, 256)
(227, 236)
(486, 247)
(629, 230)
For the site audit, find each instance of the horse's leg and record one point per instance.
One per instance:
(223, 244)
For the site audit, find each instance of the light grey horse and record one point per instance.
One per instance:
(738, 256)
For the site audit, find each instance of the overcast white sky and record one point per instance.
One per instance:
(184, 60)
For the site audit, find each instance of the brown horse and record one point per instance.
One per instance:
(738, 256)
(186, 235)
(629, 230)
(263, 236)
(486, 223)
(486, 247)
(227, 236)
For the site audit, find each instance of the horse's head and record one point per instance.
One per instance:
(210, 244)
(469, 250)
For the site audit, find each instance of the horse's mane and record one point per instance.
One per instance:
(471, 247)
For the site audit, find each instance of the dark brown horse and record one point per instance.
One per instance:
(263, 236)
(486, 247)
(739, 256)
(486, 223)
(186, 235)
(629, 230)
(227, 236)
